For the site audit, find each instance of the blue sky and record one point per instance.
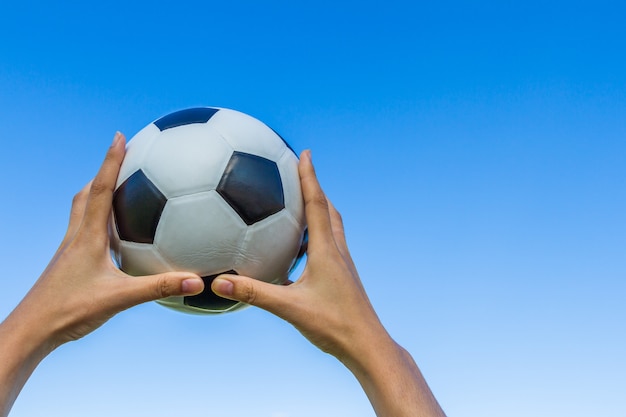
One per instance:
(476, 151)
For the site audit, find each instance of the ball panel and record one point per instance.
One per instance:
(174, 302)
(187, 160)
(114, 241)
(136, 150)
(304, 246)
(200, 233)
(137, 206)
(207, 299)
(269, 248)
(178, 304)
(252, 186)
(285, 142)
(185, 117)
(141, 259)
(246, 134)
(288, 168)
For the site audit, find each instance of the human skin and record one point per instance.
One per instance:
(329, 306)
(81, 289)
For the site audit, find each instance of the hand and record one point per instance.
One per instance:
(328, 300)
(81, 288)
(329, 306)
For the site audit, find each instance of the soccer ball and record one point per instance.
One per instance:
(210, 191)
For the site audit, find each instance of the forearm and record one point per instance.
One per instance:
(392, 380)
(22, 347)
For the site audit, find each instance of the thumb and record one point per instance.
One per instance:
(270, 297)
(154, 287)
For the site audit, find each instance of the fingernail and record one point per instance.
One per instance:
(307, 155)
(222, 286)
(192, 286)
(116, 138)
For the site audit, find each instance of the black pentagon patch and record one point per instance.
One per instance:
(252, 186)
(207, 299)
(185, 117)
(138, 205)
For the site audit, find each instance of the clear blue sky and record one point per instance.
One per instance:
(476, 151)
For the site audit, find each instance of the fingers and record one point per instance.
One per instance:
(270, 297)
(324, 221)
(315, 205)
(78, 207)
(101, 193)
(340, 236)
(76, 214)
(336, 224)
(137, 290)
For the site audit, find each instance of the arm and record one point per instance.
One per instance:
(80, 289)
(329, 306)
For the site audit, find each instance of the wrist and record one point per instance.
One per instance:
(23, 345)
(391, 378)
(26, 338)
(373, 350)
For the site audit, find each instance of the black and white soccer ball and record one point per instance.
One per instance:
(210, 191)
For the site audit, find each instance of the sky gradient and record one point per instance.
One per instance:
(477, 153)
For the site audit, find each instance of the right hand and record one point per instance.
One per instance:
(327, 304)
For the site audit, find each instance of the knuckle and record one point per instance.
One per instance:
(98, 187)
(319, 199)
(80, 197)
(338, 217)
(163, 287)
(249, 294)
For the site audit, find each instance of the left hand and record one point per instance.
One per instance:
(82, 288)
